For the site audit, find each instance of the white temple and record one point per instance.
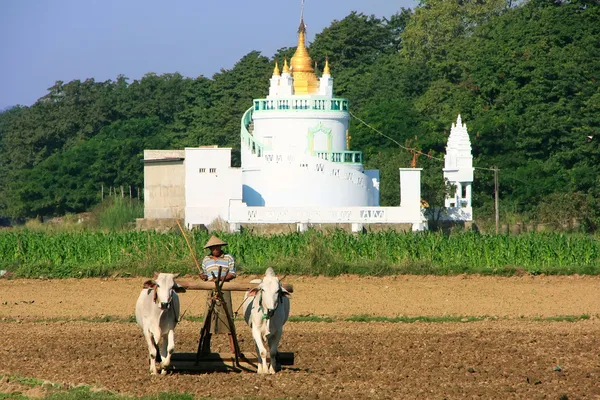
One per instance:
(300, 130)
(297, 165)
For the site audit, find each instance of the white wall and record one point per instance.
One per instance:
(287, 180)
(373, 186)
(287, 131)
(410, 189)
(395, 215)
(210, 184)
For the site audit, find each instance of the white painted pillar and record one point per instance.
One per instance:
(357, 227)
(469, 194)
(410, 190)
(301, 227)
(234, 227)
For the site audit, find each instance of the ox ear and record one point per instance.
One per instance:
(252, 292)
(285, 292)
(149, 284)
(178, 289)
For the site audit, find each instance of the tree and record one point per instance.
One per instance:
(70, 181)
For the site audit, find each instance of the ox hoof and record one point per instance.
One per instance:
(163, 372)
(271, 370)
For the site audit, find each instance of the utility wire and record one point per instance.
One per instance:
(408, 148)
(395, 141)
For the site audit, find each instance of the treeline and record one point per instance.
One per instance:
(524, 76)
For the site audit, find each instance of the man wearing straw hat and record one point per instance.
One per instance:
(210, 267)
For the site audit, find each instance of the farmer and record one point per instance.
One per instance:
(210, 266)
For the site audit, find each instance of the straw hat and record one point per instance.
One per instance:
(214, 241)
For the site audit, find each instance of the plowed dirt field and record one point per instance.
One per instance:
(518, 352)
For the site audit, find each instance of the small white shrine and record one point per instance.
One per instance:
(296, 165)
(458, 170)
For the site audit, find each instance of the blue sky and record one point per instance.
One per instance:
(43, 41)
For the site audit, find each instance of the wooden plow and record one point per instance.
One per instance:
(204, 360)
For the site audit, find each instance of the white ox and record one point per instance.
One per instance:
(266, 309)
(157, 313)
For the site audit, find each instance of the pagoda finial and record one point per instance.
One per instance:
(286, 68)
(301, 65)
(326, 70)
(276, 69)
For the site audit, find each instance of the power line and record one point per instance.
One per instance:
(395, 141)
(408, 148)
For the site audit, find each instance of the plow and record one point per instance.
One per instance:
(204, 360)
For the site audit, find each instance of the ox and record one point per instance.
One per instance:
(266, 309)
(157, 313)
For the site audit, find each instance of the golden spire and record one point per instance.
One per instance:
(301, 61)
(286, 69)
(276, 70)
(305, 80)
(326, 70)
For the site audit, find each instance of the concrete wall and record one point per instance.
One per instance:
(331, 215)
(373, 186)
(211, 184)
(269, 229)
(372, 228)
(156, 224)
(164, 184)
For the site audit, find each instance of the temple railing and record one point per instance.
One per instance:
(295, 104)
(258, 149)
(248, 139)
(344, 157)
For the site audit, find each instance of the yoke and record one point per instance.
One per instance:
(206, 361)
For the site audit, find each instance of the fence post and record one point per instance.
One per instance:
(496, 198)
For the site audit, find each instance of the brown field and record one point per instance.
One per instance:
(513, 354)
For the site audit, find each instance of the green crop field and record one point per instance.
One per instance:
(28, 253)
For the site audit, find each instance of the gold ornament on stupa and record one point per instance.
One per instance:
(286, 68)
(276, 70)
(305, 80)
(326, 70)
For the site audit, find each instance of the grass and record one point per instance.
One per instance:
(57, 391)
(401, 319)
(565, 318)
(309, 318)
(113, 214)
(410, 320)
